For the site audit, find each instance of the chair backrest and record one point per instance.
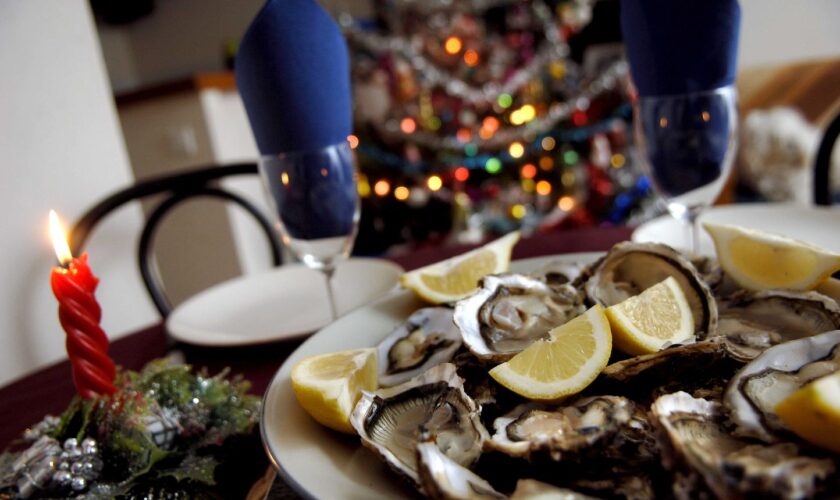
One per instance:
(822, 167)
(176, 188)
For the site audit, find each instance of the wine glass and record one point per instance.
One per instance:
(316, 204)
(687, 144)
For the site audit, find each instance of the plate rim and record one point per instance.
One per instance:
(226, 341)
(531, 263)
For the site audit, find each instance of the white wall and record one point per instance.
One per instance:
(181, 37)
(60, 147)
(782, 31)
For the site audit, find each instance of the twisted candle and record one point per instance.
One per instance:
(79, 313)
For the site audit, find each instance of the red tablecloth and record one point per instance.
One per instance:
(49, 390)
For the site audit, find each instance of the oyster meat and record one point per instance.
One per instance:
(752, 322)
(427, 338)
(391, 420)
(606, 426)
(703, 457)
(754, 392)
(630, 268)
(511, 311)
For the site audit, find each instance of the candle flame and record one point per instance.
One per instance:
(59, 239)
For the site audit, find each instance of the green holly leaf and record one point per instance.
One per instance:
(194, 468)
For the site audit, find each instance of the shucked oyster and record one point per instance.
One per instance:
(511, 311)
(427, 338)
(754, 392)
(630, 268)
(704, 458)
(752, 322)
(435, 404)
(602, 426)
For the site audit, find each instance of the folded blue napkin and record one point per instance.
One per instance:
(680, 46)
(293, 73)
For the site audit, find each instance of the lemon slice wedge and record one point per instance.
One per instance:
(758, 260)
(813, 412)
(328, 386)
(457, 277)
(562, 364)
(647, 322)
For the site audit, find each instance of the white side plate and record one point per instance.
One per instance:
(287, 302)
(816, 225)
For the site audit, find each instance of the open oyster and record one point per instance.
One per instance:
(427, 338)
(630, 268)
(434, 403)
(754, 392)
(703, 457)
(511, 311)
(752, 322)
(606, 426)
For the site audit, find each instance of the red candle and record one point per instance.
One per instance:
(79, 313)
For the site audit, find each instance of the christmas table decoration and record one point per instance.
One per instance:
(164, 433)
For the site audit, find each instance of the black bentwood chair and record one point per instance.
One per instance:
(177, 188)
(822, 167)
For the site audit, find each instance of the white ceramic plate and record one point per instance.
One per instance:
(320, 463)
(817, 225)
(283, 303)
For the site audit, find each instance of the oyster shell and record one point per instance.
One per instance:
(705, 458)
(630, 268)
(559, 272)
(390, 420)
(443, 478)
(511, 311)
(701, 367)
(605, 426)
(752, 322)
(427, 338)
(759, 386)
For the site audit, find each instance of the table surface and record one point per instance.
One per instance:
(49, 390)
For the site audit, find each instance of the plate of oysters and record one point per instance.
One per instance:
(690, 419)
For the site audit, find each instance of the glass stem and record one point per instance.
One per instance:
(692, 215)
(328, 271)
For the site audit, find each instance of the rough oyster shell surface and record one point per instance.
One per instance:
(703, 456)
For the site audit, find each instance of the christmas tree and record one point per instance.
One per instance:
(476, 117)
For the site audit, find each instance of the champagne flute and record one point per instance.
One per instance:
(687, 144)
(316, 205)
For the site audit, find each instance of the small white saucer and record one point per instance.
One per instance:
(816, 225)
(284, 303)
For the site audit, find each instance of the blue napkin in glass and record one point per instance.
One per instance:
(293, 73)
(680, 46)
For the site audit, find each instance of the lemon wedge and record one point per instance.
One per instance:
(656, 317)
(758, 260)
(457, 277)
(813, 412)
(562, 364)
(328, 386)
